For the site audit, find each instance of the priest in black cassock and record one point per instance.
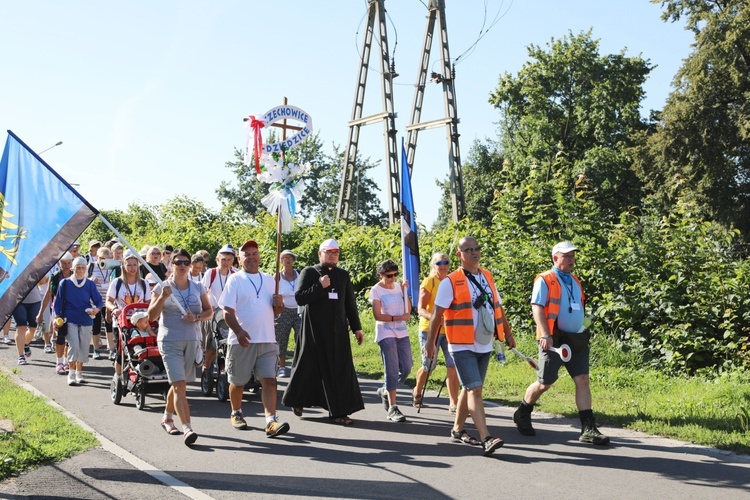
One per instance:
(322, 369)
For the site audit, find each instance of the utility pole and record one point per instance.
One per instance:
(376, 12)
(436, 9)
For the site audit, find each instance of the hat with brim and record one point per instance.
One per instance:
(288, 252)
(227, 249)
(137, 316)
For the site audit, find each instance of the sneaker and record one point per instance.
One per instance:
(238, 421)
(48, 349)
(522, 420)
(80, 379)
(112, 355)
(276, 428)
(27, 351)
(71, 378)
(22, 360)
(97, 355)
(590, 434)
(395, 415)
(7, 341)
(383, 393)
(60, 369)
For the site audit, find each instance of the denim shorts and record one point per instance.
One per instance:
(471, 367)
(442, 343)
(550, 364)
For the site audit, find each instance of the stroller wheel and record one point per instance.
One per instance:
(207, 382)
(140, 398)
(222, 387)
(116, 390)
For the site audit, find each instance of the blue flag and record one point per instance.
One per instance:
(41, 218)
(409, 244)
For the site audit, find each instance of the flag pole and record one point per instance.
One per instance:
(277, 276)
(122, 239)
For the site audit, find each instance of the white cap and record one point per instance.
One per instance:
(66, 256)
(129, 254)
(79, 261)
(563, 247)
(137, 316)
(228, 248)
(329, 244)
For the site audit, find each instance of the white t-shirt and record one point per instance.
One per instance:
(217, 287)
(286, 289)
(129, 294)
(445, 297)
(391, 304)
(251, 297)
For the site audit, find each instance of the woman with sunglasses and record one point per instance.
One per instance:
(439, 266)
(391, 306)
(179, 337)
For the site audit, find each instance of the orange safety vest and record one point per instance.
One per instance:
(554, 295)
(459, 320)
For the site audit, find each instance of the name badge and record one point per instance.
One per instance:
(333, 295)
(575, 306)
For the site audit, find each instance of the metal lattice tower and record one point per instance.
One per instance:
(436, 10)
(376, 11)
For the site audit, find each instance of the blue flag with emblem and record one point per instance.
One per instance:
(409, 244)
(42, 215)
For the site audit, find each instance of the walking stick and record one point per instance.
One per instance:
(433, 362)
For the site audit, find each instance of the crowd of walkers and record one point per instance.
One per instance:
(82, 299)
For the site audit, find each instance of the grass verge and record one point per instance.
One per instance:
(40, 432)
(710, 412)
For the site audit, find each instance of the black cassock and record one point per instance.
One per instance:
(322, 369)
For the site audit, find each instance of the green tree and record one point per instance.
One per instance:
(703, 141)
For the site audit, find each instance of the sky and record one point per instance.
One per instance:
(148, 97)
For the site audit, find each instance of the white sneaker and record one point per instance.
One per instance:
(71, 378)
(283, 373)
(79, 378)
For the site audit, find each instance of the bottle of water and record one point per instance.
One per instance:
(499, 351)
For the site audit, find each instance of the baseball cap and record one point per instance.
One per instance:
(329, 244)
(137, 316)
(563, 247)
(129, 254)
(248, 244)
(228, 248)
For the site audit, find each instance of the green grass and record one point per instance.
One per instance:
(40, 432)
(707, 411)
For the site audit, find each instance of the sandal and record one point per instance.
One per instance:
(452, 410)
(463, 437)
(490, 444)
(416, 401)
(297, 411)
(168, 425)
(190, 437)
(343, 421)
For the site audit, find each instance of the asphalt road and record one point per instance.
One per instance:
(374, 458)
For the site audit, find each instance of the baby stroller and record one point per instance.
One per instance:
(142, 367)
(216, 376)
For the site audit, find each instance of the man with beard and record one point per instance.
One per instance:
(322, 369)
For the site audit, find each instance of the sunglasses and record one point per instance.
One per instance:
(442, 263)
(469, 250)
(391, 275)
(181, 262)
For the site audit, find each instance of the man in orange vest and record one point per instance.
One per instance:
(469, 304)
(557, 304)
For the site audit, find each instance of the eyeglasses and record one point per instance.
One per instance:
(181, 262)
(331, 252)
(470, 249)
(391, 275)
(442, 263)
(155, 253)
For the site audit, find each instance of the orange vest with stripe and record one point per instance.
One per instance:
(554, 296)
(459, 318)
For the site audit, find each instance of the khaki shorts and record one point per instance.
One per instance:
(260, 360)
(179, 359)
